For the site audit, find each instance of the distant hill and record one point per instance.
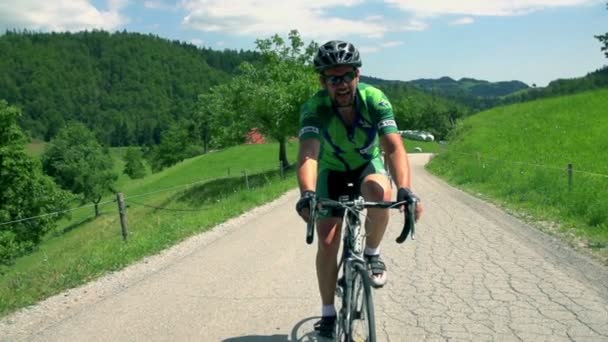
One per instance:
(126, 87)
(475, 94)
(469, 87)
(594, 80)
(419, 109)
(478, 94)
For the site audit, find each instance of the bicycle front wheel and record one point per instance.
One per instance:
(361, 325)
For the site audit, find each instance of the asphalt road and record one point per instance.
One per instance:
(474, 273)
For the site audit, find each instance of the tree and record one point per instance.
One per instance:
(266, 96)
(180, 141)
(221, 116)
(24, 191)
(604, 40)
(134, 166)
(78, 163)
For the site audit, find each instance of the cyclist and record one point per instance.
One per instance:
(342, 131)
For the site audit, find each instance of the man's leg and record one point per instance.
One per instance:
(376, 187)
(328, 231)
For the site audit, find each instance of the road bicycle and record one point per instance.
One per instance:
(356, 320)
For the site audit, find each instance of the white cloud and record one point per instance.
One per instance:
(197, 42)
(481, 7)
(463, 21)
(391, 44)
(161, 5)
(368, 49)
(251, 17)
(314, 18)
(375, 48)
(415, 25)
(61, 15)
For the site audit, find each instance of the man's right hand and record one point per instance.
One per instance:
(303, 205)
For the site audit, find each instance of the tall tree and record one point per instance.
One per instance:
(78, 163)
(604, 40)
(266, 96)
(24, 191)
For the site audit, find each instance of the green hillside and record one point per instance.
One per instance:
(163, 209)
(519, 156)
(126, 87)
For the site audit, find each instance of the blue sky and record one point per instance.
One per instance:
(534, 41)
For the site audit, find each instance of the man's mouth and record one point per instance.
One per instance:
(343, 92)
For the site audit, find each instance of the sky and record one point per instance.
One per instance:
(534, 41)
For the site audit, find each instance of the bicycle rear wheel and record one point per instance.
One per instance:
(361, 326)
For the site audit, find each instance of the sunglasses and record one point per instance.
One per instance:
(336, 80)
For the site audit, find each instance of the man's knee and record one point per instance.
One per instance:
(376, 187)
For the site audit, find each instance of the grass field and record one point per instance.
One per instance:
(518, 156)
(425, 146)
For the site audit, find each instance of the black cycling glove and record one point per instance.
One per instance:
(304, 201)
(405, 194)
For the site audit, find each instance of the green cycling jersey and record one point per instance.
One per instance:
(345, 148)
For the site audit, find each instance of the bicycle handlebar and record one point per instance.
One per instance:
(409, 226)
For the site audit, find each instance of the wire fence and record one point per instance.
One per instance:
(568, 193)
(569, 167)
(54, 213)
(245, 174)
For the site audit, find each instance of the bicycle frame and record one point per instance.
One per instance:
(352, 253)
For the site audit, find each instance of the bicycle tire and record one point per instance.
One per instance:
(362, 322)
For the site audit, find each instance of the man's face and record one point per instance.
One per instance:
(341, 83)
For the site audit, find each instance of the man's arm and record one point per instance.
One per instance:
(307, 172)
(396, 158)
(308, 164)
(398, 164)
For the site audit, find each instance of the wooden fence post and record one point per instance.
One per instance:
(122, 210)
(570, 172)
(246, 179)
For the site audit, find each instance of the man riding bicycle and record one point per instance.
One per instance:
(342, 128)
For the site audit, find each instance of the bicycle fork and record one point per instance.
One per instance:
(344, 290)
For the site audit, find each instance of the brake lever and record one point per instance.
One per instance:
(310, 225)
(409, 226)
